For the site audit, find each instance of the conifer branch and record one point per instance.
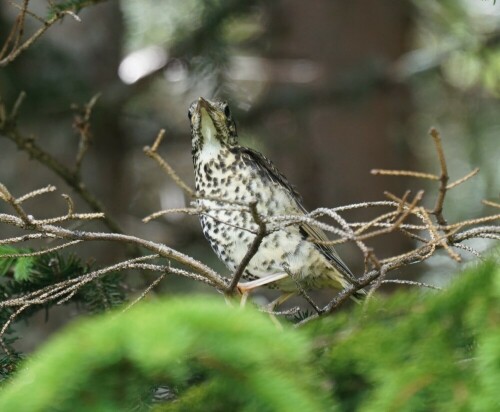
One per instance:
(14, 46)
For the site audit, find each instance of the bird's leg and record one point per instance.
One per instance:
(227, 298)
(246, 287)
(244, 298)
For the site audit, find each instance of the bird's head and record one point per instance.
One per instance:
(211, 124)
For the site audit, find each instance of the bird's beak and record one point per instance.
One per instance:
(207, 112)
(202, 103)
(205, 104)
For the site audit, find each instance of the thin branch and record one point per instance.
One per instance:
(472, 222)
(252, 250)
(6, 325)
(440, 236)
(468, 249)
(152, 153)
(185, 210)
(82, 125)
(463, 179)
(34, 193)
(70, 286)
(301, 290)
(490, 203)
(11, 200)
(409, 173)
(25, 238)
(14, 38)
(443, 178)
(41, 252)
(17, 50)
(73, 180)
(411, 283)
(146, 291)
(17, 105)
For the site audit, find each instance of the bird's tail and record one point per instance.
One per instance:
(344, 281)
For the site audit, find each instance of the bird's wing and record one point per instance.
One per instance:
(265, 166)
(313, 233)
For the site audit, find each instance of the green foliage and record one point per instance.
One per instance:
(21, 267)
(105, 364)
(69, 5)
(35, 272)
(22, 275)
(416, 351)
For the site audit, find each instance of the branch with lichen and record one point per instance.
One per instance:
(432, 233)
(53, 228)
(404, 215)
(17, 43)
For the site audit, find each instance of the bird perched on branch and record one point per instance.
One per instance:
(230, 177)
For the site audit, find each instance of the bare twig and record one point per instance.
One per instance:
(411, 283)
(146, 291)
(10, 131)
(17, 50)
(41, 252)
(152, 153)
(433, 235)
(490, 203)
(6, 325)
(301, 290)
(443, 178)
(463, 179)
(17, 105)
(34, 193)
(82, 125)
(186, 210)
(409, 173)
(13, 47)
(252, 250)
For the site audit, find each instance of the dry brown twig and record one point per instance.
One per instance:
(10, 130)
(81, 124)
(152, 153)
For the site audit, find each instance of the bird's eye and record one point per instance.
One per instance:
(227, 112)
(190, 115)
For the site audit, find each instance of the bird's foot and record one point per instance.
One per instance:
(246, 287)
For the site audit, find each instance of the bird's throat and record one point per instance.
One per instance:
(211, 145)
(208, 130)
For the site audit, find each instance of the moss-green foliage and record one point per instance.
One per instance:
(107, 363)
(417, 351)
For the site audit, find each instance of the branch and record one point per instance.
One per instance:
(152, 153)
(252, 250)
(14, 38)
(8, 129)
(443, 178)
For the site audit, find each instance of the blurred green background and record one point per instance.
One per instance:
(327, 89)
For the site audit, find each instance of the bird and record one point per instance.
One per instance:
(228, 176)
